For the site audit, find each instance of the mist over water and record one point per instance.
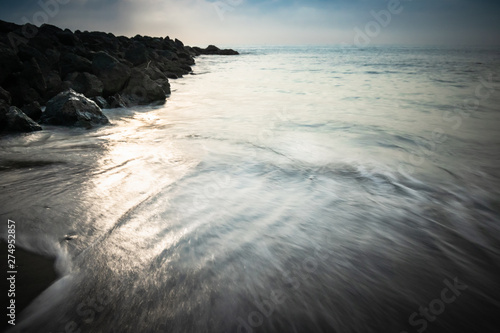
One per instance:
(306, 189)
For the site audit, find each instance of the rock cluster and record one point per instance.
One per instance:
(81, 72)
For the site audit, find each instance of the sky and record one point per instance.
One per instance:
(274, 22)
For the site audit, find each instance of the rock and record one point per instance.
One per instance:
(49, 29)
(179, 44)
(9, 63)
(101, 102)
(165, 85)
(96, 64)
(6, 27)
(116, 101)
(26, 53)
(21, 91)
(14, 120)
(85, 83)
(33, 110)
(5, 96)
(71, 62)
(142, 90)
(66, 37)
(154, 73)
(33, 75)
(53, 57)
(137, 54)
(70, 108)
(212, 50)
(113, 74)
(54, 82)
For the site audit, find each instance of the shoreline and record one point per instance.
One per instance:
(108, 71)
(35, 273)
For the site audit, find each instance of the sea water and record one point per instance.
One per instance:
(287, 189)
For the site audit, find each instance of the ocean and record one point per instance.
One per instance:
(287, 189)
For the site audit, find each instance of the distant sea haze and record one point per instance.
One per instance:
(287, 189)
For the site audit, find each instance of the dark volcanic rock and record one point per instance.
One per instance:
(21, 91)
(14, 120)
(66, 37)
(54, 82)
(211, 50)
(142, 90)
(113, 74)
(37, 63)
(101, 102)
(85, 83)
(33, 110)
(72, 109)
(32, 74)
(116, 101)
(71, 62)
(9, 63)
(5, 96)
(137, 54)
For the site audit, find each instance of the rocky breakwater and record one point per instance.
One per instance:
(76, 74)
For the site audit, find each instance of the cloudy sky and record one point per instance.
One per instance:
(236, 22)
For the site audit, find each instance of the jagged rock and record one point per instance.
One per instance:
(66, 37)
(101, 102)
(73, 109)
(32, 74)
(85, 83)
(142, 90)
(179, 44)
(33, 110)
(9, 63)
(71, 62)
(165, 85)
(116, 101)
(54, 82)
(94, 63)
(26, 53)
(21, 91)
(6, 27)
(14, 120)
(137, 54)
(113, 74)
(53, 57)
(5, 96)
(212, 50)
(154, 73)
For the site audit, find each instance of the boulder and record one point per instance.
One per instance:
(21, 91)
(154, 73)
(101, 102)
(5, 96)
(66, 37)
(54, 82)
(9, 63)
(211, 50)
(70, 108)
(33, 110)
(71, 62)
(142, 90)
(85, 83)
(113, 74)
(165, 85)
(137, 54)
(26, 53)
(14, 120)
(32, 74)
(116, 101)
(53, 56)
